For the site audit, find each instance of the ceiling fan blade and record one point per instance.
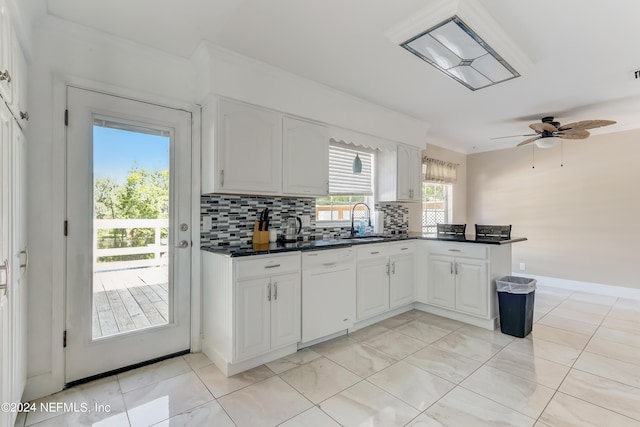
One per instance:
(513, 136)
(587, 124)
(528, 141)
(540, 127)
(573, 134)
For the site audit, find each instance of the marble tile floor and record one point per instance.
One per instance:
(579, 367)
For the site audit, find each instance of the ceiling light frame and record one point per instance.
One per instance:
(448, 56)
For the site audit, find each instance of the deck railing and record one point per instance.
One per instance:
(159, 248)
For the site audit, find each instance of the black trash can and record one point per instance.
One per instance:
(515, 299)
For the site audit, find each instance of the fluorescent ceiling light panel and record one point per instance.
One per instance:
(453, 48)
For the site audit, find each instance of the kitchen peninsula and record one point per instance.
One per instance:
(254, 296)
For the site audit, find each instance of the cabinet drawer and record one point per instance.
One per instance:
(401, 248)
(267, 265)
(369, 251)
(467, 250)
(329, 257)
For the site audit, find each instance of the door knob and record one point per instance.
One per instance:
(183, 244)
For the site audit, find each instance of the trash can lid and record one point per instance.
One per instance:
(516, 284)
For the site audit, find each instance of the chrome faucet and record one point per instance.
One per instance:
(353, 210)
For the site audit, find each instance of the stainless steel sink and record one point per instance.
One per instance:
(361, 239)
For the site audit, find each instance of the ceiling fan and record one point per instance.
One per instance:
(548, 128)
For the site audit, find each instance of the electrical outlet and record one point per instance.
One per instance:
(306, 220)
(522, 266)
(207, 223)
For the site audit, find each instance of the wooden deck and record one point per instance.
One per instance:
(126, 300)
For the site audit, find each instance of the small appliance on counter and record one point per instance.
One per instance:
(292, 228)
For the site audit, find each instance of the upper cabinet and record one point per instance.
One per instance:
(399, 175)
(252, 150)
(305, 158)
(13, 70)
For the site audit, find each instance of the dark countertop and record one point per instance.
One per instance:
(314, 245)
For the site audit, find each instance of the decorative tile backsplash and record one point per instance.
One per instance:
(233, 218)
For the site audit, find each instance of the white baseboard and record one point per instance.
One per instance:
(593, 288)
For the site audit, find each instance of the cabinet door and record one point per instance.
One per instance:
(285, 310)
(372, 288)
(472, 286)
(305, 158)
(6, 66)
(441, 287)
(401, 284)
(409, 170)
(253, 314)
(404, 173)
(248, 150)
(19, 260)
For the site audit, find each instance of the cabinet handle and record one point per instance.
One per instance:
(221, 177)
(403, 249)
(5, 267)
(374, 252)
(329, 264)
(451, 268)
(454, 250)
(272, 266)
(268, 291)
(456, 264)
(393, 268)
(24, 115)
(26, 259)
(275, 291)
(387, 269)
(5, 76)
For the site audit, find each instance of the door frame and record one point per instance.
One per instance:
(52, 381)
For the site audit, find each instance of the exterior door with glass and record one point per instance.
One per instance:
(128, 247)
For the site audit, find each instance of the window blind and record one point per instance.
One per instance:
(342, 180)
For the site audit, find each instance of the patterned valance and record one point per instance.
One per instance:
(439, 171)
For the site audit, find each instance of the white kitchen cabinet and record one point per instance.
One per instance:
(6, 66)
(398, 175)
(401, 280)
(242, 149)
(252, 309)
(268, 314)
(461, 280)
(18, 105)
(458, 283)
(385, 278)
(253, 328)
(305, 158)
(372, 287)
(252, 150)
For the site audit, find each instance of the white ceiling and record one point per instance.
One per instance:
(583, 55)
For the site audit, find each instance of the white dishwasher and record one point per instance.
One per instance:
(328, 292)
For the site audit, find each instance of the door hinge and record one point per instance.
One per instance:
(64, 339)
(66, 228)
(66, 117)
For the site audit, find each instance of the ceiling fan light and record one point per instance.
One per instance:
(547, 142)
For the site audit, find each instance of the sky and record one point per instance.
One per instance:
(115, 151)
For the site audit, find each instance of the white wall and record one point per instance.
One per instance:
(582, 220)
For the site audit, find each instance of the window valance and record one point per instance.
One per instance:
(439, 171)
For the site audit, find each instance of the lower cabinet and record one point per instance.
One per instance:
(252, 311)
(461, 279)
(385, 278)
(268, 314)
(458, 283)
